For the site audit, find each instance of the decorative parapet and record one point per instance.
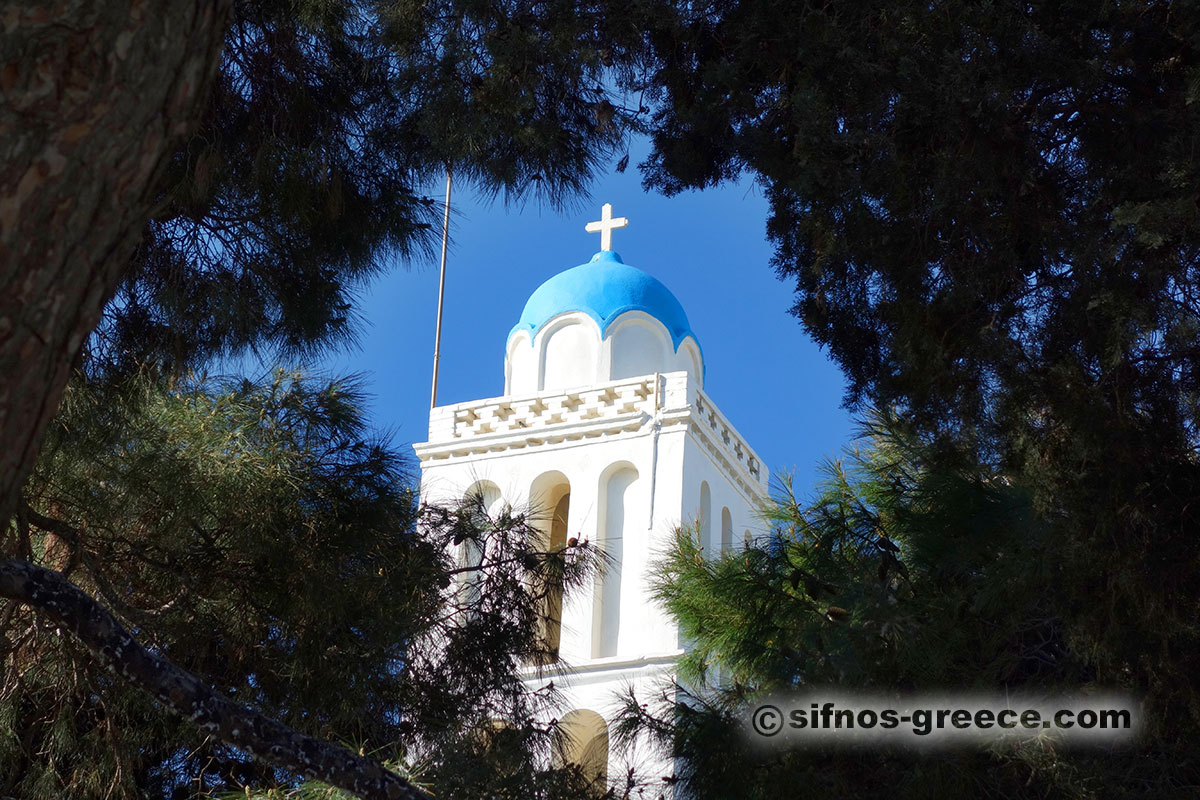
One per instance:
(502, 423)
(525, 414)
(724, 442)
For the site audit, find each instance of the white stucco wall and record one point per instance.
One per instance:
(644, 443)
(637, 345)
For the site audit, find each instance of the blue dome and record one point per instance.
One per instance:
(604, 289)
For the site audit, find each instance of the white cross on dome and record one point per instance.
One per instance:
(605, 226)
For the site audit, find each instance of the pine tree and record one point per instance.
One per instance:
(257, 210)
(988, 213)
(896, 575)
(327, 125)
(97, 98)
(254, 533)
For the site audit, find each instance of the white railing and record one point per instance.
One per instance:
(671, 397)
(512, 414)
(726, 439)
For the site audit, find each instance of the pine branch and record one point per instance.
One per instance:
(183, 693)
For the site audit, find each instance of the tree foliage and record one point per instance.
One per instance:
(895, 576)
(216, 522)
(253, 533)
(304, 177)
(327, 125)
(885, 552)
(988, 212)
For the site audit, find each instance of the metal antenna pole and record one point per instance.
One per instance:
(437, 336)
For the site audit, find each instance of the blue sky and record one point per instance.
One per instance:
(708, 247)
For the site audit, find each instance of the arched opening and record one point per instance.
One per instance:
(726, 530)
(704, 518)
(501, 745)
(550, 500)
(569, 354)
(483, 503)
(584, 743)
(687, 357)
(616, 497)
(520, 365)
(637, 346)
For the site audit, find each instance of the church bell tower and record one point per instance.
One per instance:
(603, 422)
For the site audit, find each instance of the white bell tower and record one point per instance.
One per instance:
(604, 424)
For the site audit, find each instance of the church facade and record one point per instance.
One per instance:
(605, 427)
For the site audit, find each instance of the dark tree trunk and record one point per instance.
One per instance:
(191, 698)
(96, 96)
